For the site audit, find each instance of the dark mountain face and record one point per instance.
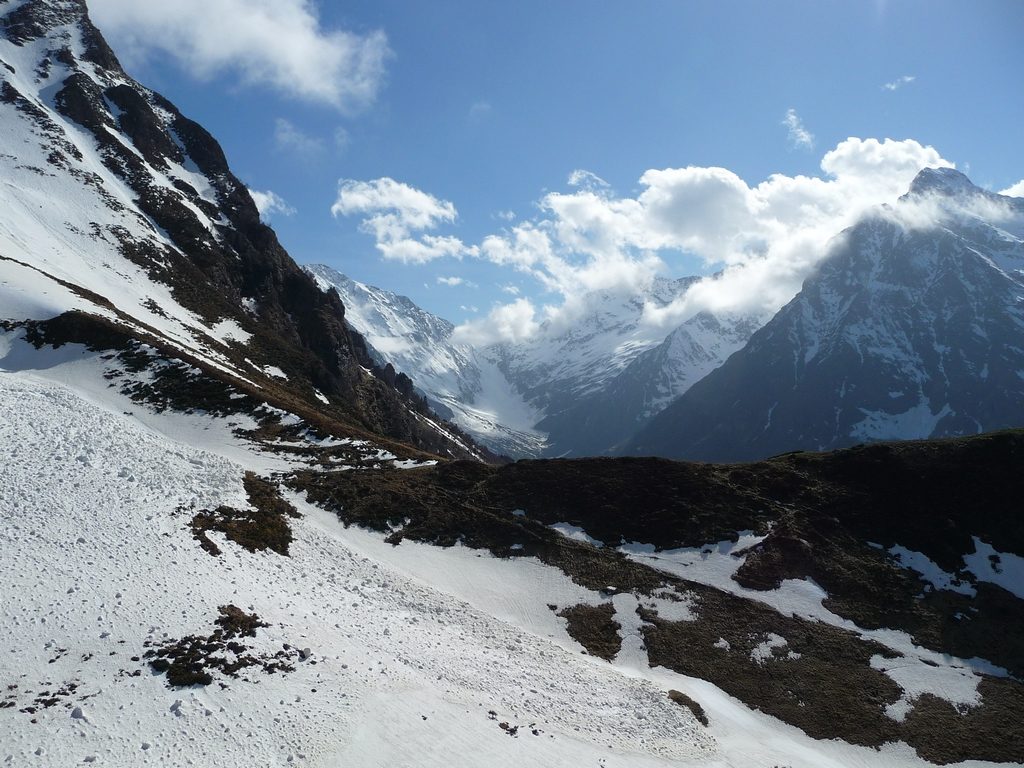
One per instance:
(907, 330)
(191, 225)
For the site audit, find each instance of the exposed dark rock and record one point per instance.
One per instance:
(265, 526)
(594, 627)
(193, 659)
(683, 700)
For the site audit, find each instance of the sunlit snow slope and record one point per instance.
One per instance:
(119, 208)
(410, 655)
(459, 383)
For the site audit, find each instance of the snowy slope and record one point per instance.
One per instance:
(909, 329)
(416, 655)
(65, 214)
(119, 208)
(598, 423)
(380, 687)
(459, 383)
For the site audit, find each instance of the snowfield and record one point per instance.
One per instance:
(96, 560)
(417, 654)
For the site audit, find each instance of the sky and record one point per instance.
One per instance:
(495, 161)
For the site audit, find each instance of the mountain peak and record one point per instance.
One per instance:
(946, 181)
(28, 20)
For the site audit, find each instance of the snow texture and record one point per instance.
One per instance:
(410, 646)
(391, 655)
(1002, 568)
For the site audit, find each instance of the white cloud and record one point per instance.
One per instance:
(269, 203)
(586, 180)
(395, 214)
(1015, 190)
(506, 215)
(899, 82)
(288, 137)
(456, 281)
(763, 239)
(511, 290)
(278, 43)
(505, 322)
(799, 136)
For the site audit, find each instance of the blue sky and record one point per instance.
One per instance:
(490, 107)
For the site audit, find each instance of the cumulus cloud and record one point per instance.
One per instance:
(1015, 190)
(899, 82)
(799, 136)
(277, 43)
(506, 322)
(761, 240)
(270, 203)
(398, 215)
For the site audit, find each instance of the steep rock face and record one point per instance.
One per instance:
(399, 332)
(131, 207)
(909, 329)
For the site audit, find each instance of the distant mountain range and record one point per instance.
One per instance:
(907, 329)
(580, 391)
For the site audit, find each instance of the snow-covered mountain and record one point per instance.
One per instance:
(459, 384)
(585, 347)
(121, 216)
(581, 386)
(229, 537)
(598, 423)
(910, 329)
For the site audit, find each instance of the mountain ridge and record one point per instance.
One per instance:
(575, 392)
(905, 331)
(148, 217)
